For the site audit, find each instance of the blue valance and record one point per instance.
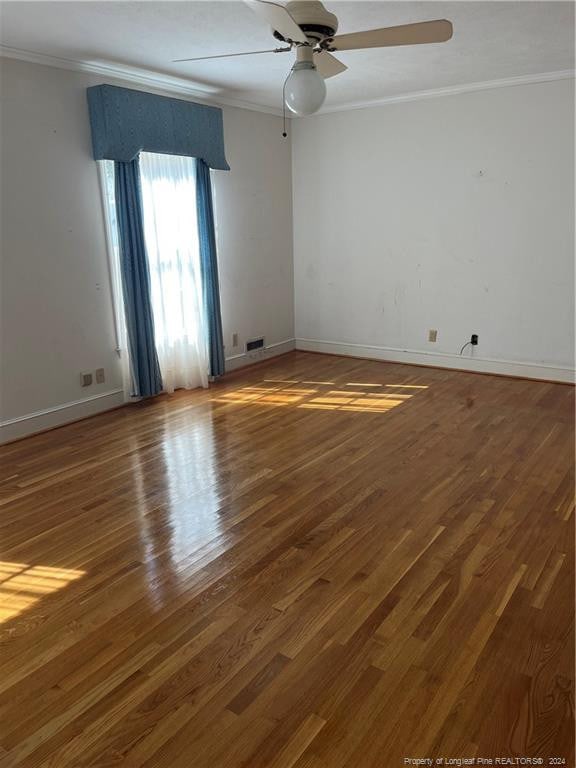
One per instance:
(125, 122)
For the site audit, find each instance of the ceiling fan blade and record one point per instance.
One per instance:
(328, 65)
(278, 18)
(229, 55)
(407, 34)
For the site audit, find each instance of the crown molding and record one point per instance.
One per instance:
(149, 78)
(207, 95)
(452, 90)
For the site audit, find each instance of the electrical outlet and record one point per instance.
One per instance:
(432, 334)
(100, 376)
(85, 379)
(234, 340)
(474, 339)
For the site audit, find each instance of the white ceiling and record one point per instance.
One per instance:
(492, 41)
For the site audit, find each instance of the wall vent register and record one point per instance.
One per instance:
(255, 344)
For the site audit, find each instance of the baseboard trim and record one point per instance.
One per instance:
(250, 358)
(48, 418)
(515, 369)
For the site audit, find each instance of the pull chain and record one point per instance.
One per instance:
(284, 132)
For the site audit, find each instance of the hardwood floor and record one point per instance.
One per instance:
(322, 563)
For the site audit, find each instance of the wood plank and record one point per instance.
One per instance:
(320, 562)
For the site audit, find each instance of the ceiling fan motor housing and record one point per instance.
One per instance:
(312, 18)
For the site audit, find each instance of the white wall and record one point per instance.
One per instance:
(56, 311)
(452, 213)
(253, 205)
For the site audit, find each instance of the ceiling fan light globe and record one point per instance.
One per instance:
(305, 90)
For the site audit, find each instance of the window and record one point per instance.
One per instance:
(171, 235)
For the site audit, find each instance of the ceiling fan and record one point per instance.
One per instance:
(308, 26)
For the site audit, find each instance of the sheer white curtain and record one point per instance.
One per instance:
(169, 201)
